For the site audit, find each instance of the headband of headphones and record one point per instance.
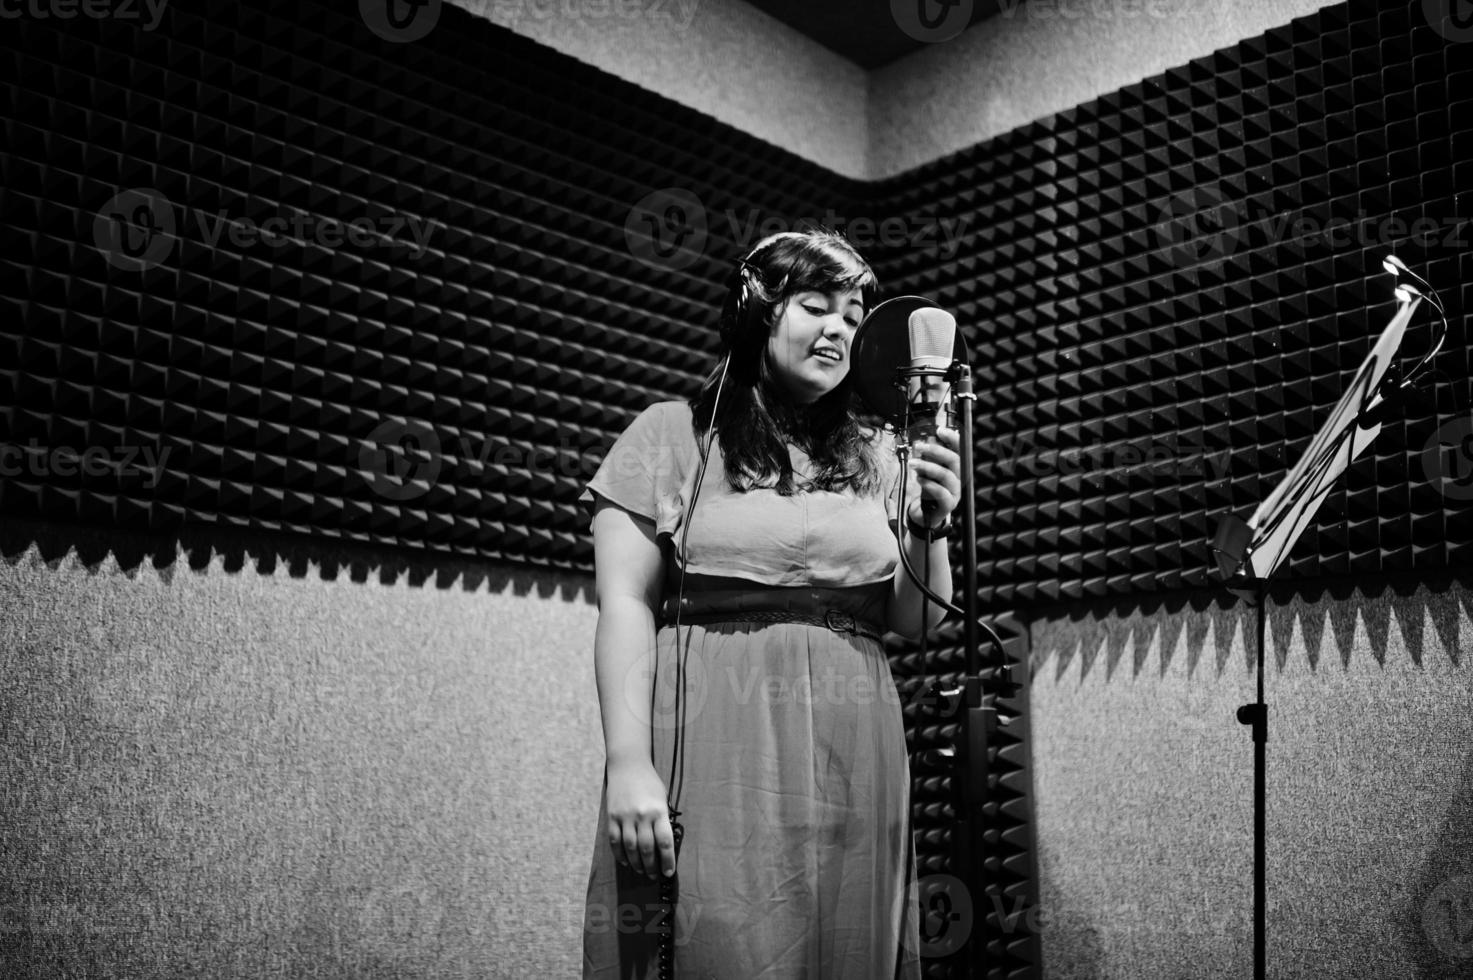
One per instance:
(739, 290)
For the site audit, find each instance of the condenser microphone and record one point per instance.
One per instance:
(904, 359)
(932, 335)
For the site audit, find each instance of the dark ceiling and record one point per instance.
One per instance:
(868, 32)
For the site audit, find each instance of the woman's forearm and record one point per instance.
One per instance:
(623, 658)
(906, 598)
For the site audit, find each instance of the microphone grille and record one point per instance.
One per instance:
(932, 333)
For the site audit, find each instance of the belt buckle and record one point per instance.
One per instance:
(840, 621)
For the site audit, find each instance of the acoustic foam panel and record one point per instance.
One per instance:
(1144, 371)
(1168, 288)
(277, 379)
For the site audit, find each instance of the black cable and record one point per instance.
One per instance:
(677, 756)
(903, 452)
(676, 783)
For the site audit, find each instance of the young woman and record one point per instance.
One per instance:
(762, 710)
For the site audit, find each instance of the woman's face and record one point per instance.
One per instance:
(808, 349)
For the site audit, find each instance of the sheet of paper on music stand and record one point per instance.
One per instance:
(1286, 512)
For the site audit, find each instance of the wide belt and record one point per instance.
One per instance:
(815, 607)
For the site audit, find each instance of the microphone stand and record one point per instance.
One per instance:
(979, 718)
(1255, 715)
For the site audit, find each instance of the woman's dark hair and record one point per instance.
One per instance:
(756, 417)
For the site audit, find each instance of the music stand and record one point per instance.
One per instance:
(1249, 554)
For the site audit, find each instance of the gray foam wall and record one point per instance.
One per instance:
(283, 763)
(218, 772)
(1144, 788)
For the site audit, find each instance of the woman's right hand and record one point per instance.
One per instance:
(639, 818)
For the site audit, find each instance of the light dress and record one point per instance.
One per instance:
(797, 858)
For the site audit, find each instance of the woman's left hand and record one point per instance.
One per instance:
(935, 474)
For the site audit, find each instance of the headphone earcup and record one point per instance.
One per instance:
(738, 308)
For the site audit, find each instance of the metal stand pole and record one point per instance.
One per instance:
(1255, 715)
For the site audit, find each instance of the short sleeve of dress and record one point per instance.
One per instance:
(646, 469)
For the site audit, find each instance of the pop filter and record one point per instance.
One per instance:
(881, 347)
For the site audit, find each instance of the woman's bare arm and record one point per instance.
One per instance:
(936, 475)
(628, 572)
(905, 598)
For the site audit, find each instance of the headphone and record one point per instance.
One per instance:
(740, 308)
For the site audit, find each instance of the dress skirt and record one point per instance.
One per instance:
(797, 859)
